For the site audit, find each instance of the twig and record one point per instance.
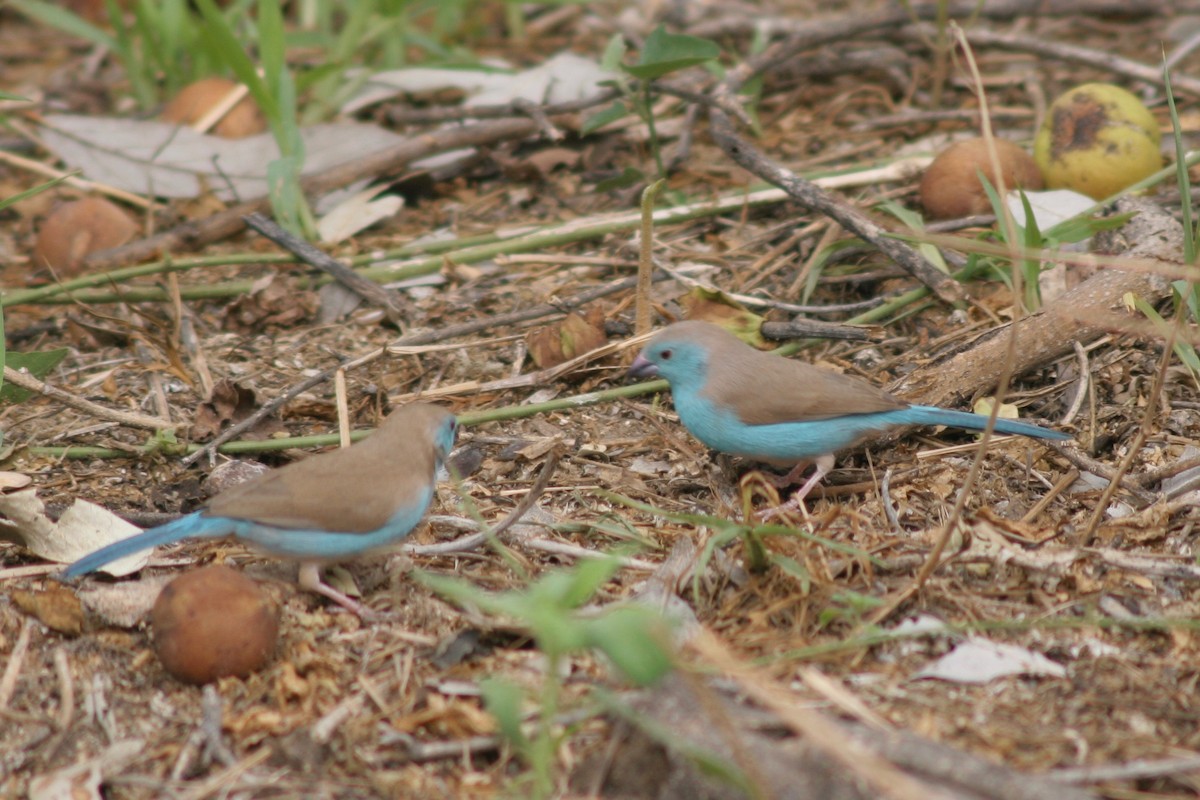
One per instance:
(66, 689)
(808, 194)
(390, 301)
(885, 780)
(805, 33)
(20, 162)
(1101, 59)
(523, 315)
(1153, 476)
(277, 402)
(1133, 770)
(468, 543)
(403, 114)
(26, 381)
(16, 658)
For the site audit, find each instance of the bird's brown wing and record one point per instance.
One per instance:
(353, 490)
(764, 389)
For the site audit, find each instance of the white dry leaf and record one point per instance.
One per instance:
(1050, 208)
(561, 78)
(82, 528)
(14, 480)
(981, 661)
(358, 212)
(124, 604)
(649, 466)
(158, 159)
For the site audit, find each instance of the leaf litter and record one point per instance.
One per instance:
(348, 710)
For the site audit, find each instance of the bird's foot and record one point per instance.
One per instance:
(310, 579)
(796, 503)
(792, 477)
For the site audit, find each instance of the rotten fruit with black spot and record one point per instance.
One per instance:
(1097, 139)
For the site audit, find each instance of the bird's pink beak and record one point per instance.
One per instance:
(642, 368)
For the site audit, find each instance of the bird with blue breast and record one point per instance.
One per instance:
(742, 401)
(326, 508)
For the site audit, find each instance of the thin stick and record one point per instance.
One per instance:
(646, 257)
(390, 301)
(269, 408)
(12, 670)
(28, 382)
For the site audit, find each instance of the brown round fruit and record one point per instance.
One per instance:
(195, 100)
(213, 623)
(75, 229)
(951, 188)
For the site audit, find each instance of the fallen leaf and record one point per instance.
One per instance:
(82, 528)
(559, 79)
(56, 607)
(271, 301)
(164, 160)
(125, 604)
(229, 404)
(358, 212)
(573, 336)
(713, 305)
(981, 661)
(14, 480)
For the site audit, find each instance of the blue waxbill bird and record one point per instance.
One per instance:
(742, 401)
(327, 508)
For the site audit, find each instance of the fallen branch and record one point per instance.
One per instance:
(1047, 334)
(32, 384)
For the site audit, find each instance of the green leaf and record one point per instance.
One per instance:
(665, 53)
(635, 639)
(41, 187)
(1184, 351)
(794, 568)
(502, 698)
(36, 364)
(914, 220)
(572, 588)
(614, 52)
(601, 118)
(55, 17)
(3, 352)
(628, 177)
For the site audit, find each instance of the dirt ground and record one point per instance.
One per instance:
(1102, 604)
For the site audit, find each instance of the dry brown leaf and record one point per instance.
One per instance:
(56, 607)
(573, 336)
(713, 305)
(272, 301)
(229, 404)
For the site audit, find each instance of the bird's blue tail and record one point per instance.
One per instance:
(932, 415)
(193, 525)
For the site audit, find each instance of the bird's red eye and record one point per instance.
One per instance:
(665, 355)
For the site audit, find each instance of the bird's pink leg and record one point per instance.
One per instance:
(823, 465)
(310, 579)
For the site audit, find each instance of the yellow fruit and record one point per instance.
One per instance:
(1097, 139)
